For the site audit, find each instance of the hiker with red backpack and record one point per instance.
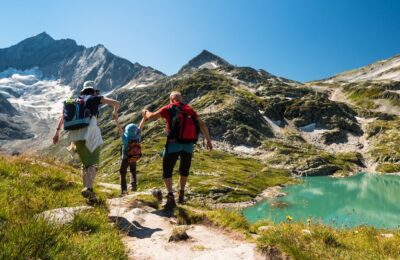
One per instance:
(183, 127)
(79, 119)
(131, 153)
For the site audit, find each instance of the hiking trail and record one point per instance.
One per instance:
(146, 232)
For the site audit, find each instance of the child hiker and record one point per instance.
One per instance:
(131, 153)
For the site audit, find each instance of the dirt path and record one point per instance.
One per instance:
(147, 232)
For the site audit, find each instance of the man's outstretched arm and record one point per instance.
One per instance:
(147, 115)
(206, 133)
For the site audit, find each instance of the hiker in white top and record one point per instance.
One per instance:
(86, 136)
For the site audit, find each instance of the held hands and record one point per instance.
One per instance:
(144, 111)
(115, 117)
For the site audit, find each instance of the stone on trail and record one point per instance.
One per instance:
(179, 234)
(62, 216)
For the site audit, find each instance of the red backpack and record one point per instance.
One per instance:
(133, 151)
(184, 126)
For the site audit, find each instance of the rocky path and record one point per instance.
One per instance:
(147, 231)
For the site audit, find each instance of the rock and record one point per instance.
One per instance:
(279, 204)
(274, 253)
(265, 228)
(62, 216)
(179, 234)
(324, 113)
(389, 235)
(157, 193)
(335, 136)
(306, 232)
(138, 211)
(322, 170)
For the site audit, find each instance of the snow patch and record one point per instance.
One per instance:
(209, 65)
(28, 92)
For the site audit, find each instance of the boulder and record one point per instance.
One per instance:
(62, 216)
(265, 228)
(179, 234)
(306, 232)
(387, 235)
(274, 253)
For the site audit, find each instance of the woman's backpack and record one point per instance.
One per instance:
(76, 114)
(133, 151)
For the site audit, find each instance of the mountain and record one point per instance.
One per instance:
(205, 59)
(38, 73)
(73, 64)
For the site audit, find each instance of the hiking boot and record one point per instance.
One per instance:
(124, 193)
(92, 199)
(181, 197)
(170, 204)
(85, 192)
(134, 186)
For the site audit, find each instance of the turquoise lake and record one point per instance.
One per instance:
(363, 199)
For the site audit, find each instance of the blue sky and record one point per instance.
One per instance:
(298, 39)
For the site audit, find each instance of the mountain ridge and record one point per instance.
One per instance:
(63, 59)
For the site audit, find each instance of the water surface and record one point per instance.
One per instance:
(364, 199)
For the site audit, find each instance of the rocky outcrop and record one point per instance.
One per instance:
(11, 128)
(239, 124)
(324, 113)
(317, 166)
(6, 108)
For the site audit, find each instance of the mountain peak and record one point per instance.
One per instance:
(205, 59)
(41, 37)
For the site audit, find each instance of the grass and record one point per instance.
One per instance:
(329, 243)
(29, 186)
